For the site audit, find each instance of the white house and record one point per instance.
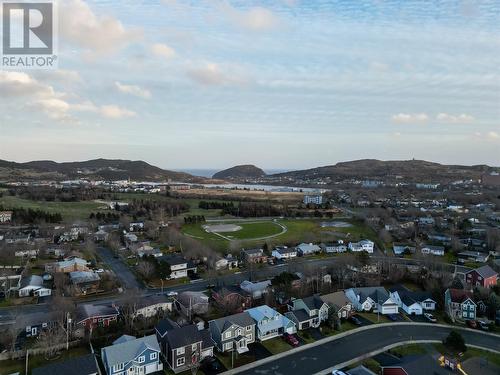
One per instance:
(307, 249)
(314, 199)
(179, 267)
(433, 250)
(283, 252)
(363, 245)
(412, 303)
(256, 290)
(335, 247)
(33, 286)
(372, 299)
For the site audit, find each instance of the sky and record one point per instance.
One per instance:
(281, 84)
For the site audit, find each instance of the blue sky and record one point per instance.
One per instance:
(281, 84)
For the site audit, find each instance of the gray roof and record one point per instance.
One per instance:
(129, 350)
(84, 365)
(338, 299)
(33, 280)
(207, 340)
(89, 310)
(313, 302)
(165, 325)
(242, 320)
(301, 315)
(173, 259)
(376, 293)
(486, 272)
(183, 336)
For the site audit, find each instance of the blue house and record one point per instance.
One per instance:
(129, 355)
(270, 323)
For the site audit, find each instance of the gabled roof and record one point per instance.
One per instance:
(123, 338)
(173, 259)
(301, 315)
(33, 280)
(313, 302)
(165, 325)
(485, 272)
(183, 336)
(460, 295)
(207, 340)
(84, 365)
(88, 310)
(338, 299)
(375, 293)
(129, 350)
(242, 320)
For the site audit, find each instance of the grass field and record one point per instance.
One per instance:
(298, 230)
(69, 210)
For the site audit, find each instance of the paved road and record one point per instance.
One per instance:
(321, 357)
(121, 270)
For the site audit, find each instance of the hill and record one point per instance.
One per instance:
(240, 172)
(107, 169)
(409, 170)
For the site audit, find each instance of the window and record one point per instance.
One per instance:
(153, 356)
(194, 347)
(228, 345)
(238, 332)
(228, 334)
(249, 328)
(181, 351)
(118, 367)
(181, 361)
(141, 359)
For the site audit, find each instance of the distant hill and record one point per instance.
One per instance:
(240, 172)
(410, 170)
(96, 169)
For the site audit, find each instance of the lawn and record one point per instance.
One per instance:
(411, 349)
(69, 210)
(473, 352)
(258, 229)
(276, 345)
(374, 317)
(13, 366)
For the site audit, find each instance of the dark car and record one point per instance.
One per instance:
(393, 317)
(483, 325)
(291, 339)
(356, 321)
(211, 363)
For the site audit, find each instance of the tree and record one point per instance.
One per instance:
(163, 270)
(50, 340)
(146, 269)
(455, 342)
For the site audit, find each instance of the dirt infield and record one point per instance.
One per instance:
(222, 228)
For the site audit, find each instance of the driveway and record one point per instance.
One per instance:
(121, 270)
(318, 359)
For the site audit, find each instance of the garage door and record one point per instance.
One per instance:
(390, 309)
(151, 368)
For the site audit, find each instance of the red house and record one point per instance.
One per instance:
(232, 298)
(484, 276)
(92, 316)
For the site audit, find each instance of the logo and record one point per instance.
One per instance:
(29, 38)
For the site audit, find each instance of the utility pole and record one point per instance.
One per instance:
(68, 325)
(27, 355)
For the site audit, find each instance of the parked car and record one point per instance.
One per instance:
(483, 325)
(472, 323)
(356, 321)
(211, 363)
(393, 317)
(172, 294)
(430, 317)
(291, 339)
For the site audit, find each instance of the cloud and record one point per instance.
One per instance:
(22, 84)
(99, 35)
(162, 50)
(406, 118)
(254, 19)
(133, 90)
(115, 112)
(211, 74)
(493, 135)
(454, 119)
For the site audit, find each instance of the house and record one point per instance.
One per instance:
(253, 256)
(433, 250)
(221, 264)
(33, 286)
(101, 236)
(363, 245)
(307, 312)
(313, 199)
(137, 226)
(340, 303)
(233, 332)
(130, 238)
(334, 247)
(400, 249)
(283, 252)
(426, 221)
(151, 306)
(90, 316)
(307, 249)
(372, 299)
(26, 253)
(473, 256)
(232, 298)
(183, 347)
(484, 276)
(179, 266)
(5, 216)
(257, 289)
(132, 356)
(189, 303)
(412, 303)
(84, 365)
(85, 281)
(68, 265)
(269, 323)
(459, 304)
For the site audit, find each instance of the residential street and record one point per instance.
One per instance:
(121, 270)
(321, 357)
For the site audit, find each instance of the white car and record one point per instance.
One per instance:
(172, 294)
(338, 372)
(430, 318)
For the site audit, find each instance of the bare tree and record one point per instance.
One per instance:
(146, 269)
(50, 340)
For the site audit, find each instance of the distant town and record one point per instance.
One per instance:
(240, 272)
